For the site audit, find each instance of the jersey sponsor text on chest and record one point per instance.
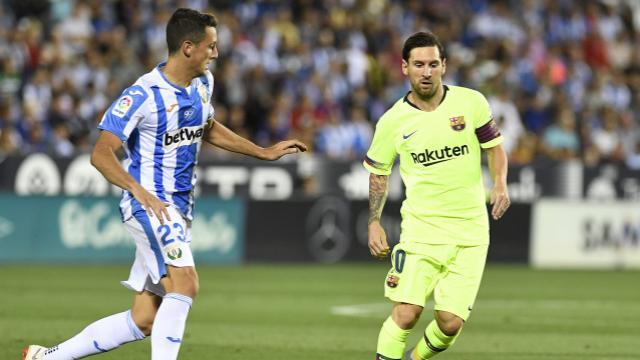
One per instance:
(429, 157)
(183, 136)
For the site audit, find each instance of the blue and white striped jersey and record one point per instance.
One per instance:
(162, 126)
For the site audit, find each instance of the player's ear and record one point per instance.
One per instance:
(187, 48)
(405, 67)
(444, 66)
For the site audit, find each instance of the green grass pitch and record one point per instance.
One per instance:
(313, 312)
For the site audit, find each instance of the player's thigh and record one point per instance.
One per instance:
(412, 276)
(457, 290)
(161, 245)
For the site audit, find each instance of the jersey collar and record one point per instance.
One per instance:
(406, 98)
(168, 84)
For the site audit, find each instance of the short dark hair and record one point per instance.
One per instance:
(422, 39)
(187, 24)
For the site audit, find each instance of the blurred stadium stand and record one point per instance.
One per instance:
(562, 77)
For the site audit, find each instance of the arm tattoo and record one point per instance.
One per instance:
(377, 196)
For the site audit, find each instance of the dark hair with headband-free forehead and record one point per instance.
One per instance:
(421, 39)
(187, 24)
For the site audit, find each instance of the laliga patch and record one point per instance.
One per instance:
(457, 123)
(123, 106)
(204, 96)
(174, 252)
(392, 281)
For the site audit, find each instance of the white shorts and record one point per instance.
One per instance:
(157, 246)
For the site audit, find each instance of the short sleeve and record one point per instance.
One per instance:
(125, 113)
(487, 130)
(212, 112)
(382, 152)
(206, 92)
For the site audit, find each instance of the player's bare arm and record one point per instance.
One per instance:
(498, 164)
(378, 187)
(220, 136)
(103, 158)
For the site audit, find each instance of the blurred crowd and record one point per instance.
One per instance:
(562, 76)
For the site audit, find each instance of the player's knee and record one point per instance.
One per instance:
(450, 326)
(188, 286)
(406, 315)
(144, 322)
(184, 281)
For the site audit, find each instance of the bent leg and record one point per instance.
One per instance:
(393, 334)
(440, 334)
(454, 297)
(100, 336)
(144, 309)
(168, 328)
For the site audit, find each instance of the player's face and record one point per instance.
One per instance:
(424, 69)
(205, 51)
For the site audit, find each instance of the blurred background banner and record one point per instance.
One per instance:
(89, 229)
(313, 209)
(578, 234)
(329, 229)
(308, 176)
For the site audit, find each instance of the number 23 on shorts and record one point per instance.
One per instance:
(168, 236)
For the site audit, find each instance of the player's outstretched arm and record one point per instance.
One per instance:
(220, 136)
(103, 158)
(378, 185)
(498, 164)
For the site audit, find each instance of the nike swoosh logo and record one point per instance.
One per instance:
(136, 92)
(405, 137)
(175, 340)
(435, 162)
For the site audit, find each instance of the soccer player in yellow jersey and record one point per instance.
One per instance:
(438, 132)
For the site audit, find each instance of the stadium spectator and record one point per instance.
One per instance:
(507, 117)
(304, 50)
(9, 138)
(606, 143)
(560, 141)
(631, 141)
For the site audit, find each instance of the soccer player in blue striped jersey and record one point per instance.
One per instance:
(160, 122)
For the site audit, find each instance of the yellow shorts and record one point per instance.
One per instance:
(451, 272)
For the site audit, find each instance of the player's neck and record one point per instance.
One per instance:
(176, 74)
(427, 104)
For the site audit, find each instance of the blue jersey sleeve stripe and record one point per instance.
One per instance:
(158, 153)
(116, 124)
(133, 146)
(112, 129)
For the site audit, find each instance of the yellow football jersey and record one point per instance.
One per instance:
(440, 165)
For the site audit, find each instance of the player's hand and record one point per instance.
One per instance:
(499, 201)
(378, 246)
(153, 205)
(282, 148)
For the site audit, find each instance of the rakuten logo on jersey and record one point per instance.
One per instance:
(432, 157)
(183, 136)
